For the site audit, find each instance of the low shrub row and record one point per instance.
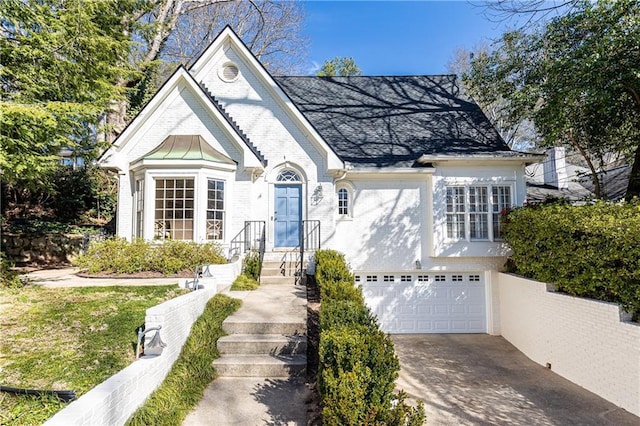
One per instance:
(118, 256)
(358, 366)
(589, 251)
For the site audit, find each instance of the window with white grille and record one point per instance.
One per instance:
(288, 176)
(423, 278)
(405, 278)
(440, 278)
(474, 278)
(456, 278)
(473, 212)
(139, 232)
(388, 278)
(215, 209)
(174, 209)
(343, 202)
(372, 278)
(478, 213)
(501, 202)
(456, 212)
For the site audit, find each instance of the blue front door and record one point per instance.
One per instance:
(288, 215)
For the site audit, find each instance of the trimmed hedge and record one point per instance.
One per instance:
(358, 366)
(589, 251)
(119, 256)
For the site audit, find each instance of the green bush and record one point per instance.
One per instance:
(357, 362)
(244, 283)
(340, 290)
(251, 265)
(341, 313)
(589, 251)
(118, 256)
(361, 349)
(331, 266)
(8, 277)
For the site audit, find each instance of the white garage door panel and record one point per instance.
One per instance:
(429, 307)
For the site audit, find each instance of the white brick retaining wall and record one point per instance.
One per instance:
(583, 340)
(113, 401)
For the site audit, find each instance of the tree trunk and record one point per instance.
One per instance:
(633, 188)
(597, 190)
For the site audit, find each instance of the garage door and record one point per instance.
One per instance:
(434, 303)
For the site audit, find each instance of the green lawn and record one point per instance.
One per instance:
(66, 339)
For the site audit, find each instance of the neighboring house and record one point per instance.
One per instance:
(405, 175)
(555, 178)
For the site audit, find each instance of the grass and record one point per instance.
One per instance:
(66, 339)
(244, 282)
(192, 372)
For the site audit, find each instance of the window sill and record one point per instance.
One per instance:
(344, 219)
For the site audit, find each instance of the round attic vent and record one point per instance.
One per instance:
(229, 72)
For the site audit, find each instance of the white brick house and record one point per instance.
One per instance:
(405, 175)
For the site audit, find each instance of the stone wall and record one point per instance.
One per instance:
(42, 249)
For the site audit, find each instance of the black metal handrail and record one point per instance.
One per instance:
(251, 237)
(309, 241)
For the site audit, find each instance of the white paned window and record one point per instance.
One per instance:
(455, 212)
(456, 278)
(288, 176)
(343, 202)
(357, 278)
(473, 212)
(388, 278)
(139, 208)
(440, 278)
(174, 209)
(215, 209)
(501, 202)
(474, 278)
(423, 278)
(478, 213)
(372, 278)
(405, 278)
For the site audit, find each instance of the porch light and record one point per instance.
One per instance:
(418, 264)
(317, 193)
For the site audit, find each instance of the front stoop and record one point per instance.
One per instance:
(277, 273)
(266, 336)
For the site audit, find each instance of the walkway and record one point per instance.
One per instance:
(477, 379)
(257, 400)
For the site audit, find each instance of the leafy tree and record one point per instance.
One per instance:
(60, 63)
(339, 66)
(577, 79)
(471, 66)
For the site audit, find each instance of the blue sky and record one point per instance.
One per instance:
(395, 37)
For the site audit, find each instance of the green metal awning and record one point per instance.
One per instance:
(187, 147)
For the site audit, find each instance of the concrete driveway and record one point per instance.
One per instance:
(477, 379)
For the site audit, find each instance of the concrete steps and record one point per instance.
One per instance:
(261, 366)
(263, 344)
(266, 337)
(275, 272)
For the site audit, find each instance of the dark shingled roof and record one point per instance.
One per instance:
(392, 121)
